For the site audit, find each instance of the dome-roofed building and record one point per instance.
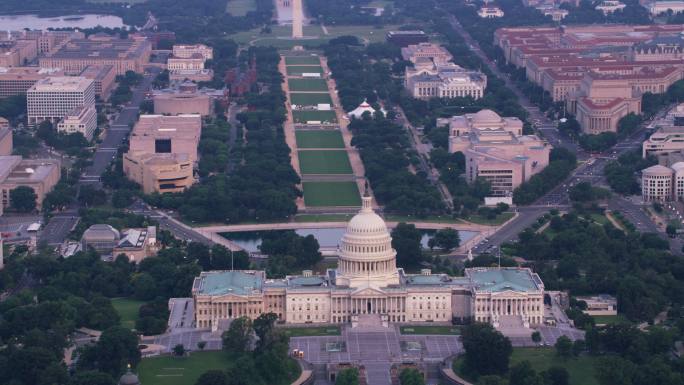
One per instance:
(366, 254)
(368, 288)
(129, 378)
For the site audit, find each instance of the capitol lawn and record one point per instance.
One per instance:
(127, 308)
(310, 99)
(171, 370)
(302, 60)
(300, 69)
(328, 194)
(312, 85)
(582, 369)
(324, 162)
(319, 139)
(314, 115)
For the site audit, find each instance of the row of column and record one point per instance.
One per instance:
(353, 267)
(361, 305)
(602, 124)
(511, 306)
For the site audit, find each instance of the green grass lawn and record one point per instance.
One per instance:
(128, 310)
(281, 37)
(324, 194)
(318, 116)
(310, 99)
(303, 218)
(581, 369)
(316, 331)
(319, 139)
(302, 60)
(324, 162)
(169, 370)
(307, 85)
(299, 70)
(599, 218)
(430, 330)
(500, 219)
(610, 319)
(240, 7)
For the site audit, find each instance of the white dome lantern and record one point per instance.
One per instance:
(367, 258)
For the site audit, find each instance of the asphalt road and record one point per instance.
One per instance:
(58, 227)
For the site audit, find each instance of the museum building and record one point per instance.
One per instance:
(367, 283)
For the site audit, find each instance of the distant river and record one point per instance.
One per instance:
(19, 22)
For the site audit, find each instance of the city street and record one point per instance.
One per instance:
(58, 227)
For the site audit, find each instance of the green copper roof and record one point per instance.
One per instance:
(226, 282)
(497, 280)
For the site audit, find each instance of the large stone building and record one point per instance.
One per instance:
(600, 71)
(495, 149)
(162, 152)
(15, 53)
(185, 99)
(368, 285)
(77, 54)
(53, 98)
(104, 78)
(18, 80)
(432, 75)
(79, 120)
(668, 136)
(190, 50)
(40, 174)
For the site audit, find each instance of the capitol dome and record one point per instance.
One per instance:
(486, 117)
(366, 254)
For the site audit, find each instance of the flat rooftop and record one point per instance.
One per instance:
(496, 280)
(168, 126)
(228, 282)
(101, 49)
(62, 84)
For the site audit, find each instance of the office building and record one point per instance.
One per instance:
(406, 38)
(53, 98)
(668, 136)
(610, 6)
(163, 151)
(368, 287)
(80, 119)
(432, 75)
(162, 173)
(496, 150)
(657, 182)
(18, 80)
(104, 79)
(602, 304)
(15, 53)
(657, 8)
(39, 174)
(187, 51)
(158, 134)
(490, 12)
(77, 54)
(599, 71)
(186, 99)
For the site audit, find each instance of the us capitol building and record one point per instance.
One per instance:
(368, 284)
